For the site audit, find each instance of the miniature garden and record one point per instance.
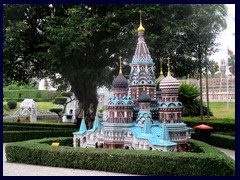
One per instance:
(149, 121)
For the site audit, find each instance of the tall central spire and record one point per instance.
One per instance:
(161, 66)
(140, 28)
(120, 64)
(169, 72)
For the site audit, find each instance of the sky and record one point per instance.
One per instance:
(226, 37)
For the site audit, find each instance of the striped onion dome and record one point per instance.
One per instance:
(169, 82)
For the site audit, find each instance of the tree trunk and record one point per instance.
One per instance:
(85, 92)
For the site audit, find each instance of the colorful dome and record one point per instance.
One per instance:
(120, 82)
(141, 28)
(144, 97)
(169, 82)
(158, 80)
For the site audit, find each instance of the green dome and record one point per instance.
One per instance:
(158, 80)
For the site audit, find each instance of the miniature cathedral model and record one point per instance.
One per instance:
(146, 119)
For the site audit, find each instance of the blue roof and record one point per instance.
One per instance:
(95, 125)
(83, 128)
(153, 138)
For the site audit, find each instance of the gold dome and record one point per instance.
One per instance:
(140, 28)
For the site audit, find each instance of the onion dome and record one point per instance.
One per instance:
(144, 97)
(158, 80)
(169, 82)
(120, 82)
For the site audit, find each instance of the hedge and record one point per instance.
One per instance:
(22, 99)
(222, 125)
(50, 125)
(219, 140)
(222, 141)
(210, 162)
(31, 94)
(15, 136)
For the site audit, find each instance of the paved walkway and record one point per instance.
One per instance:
(17, 169)
(228, 152)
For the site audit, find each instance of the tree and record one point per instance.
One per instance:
(64, 99)
(213, 67)
(78, 45)
(188, 95)
(231, 64)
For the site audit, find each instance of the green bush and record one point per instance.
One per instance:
(222, 141)
(12, 104)
(56, 110)
(60, 100)
(66, 94)
(14, 136)
(39, 152)
(223, 125)
(37, 125)
(5, 107)
(30, 94)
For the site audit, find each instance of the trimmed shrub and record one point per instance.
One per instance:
(15, 136)
(12, 104)
(56, 110)
(66, 94)
(60, 100)
(38, 125)
(223, 125)
(39, 152)
(222, 141)
(30, 94)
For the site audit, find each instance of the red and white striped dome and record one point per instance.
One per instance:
(169, 82)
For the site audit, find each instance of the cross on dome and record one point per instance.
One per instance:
(140, 28)
(169, 73)
(120, 64)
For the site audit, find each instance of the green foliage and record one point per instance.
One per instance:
(66, 94)
(222, 141)
(60, 100)
(56, 110)
(14, 136)
(223, 125)
(188, 94)
(47, 125)
(39, 152)
(12, 104)
(231, 63)
(78, 41)
(213, 67)
(38, 95)
(13, 132)
(5, 107)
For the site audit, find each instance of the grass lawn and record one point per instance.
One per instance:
(40, 105)
(220, 110)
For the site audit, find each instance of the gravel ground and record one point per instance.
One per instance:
(17, 169)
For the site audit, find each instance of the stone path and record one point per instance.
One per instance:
(17, 169)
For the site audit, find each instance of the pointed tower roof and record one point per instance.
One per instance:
(161, 76)
(147, 127)
(96, 124)
(141, 52)
(164, 133)
(83, 127)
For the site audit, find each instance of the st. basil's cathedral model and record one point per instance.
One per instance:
(139, 117)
